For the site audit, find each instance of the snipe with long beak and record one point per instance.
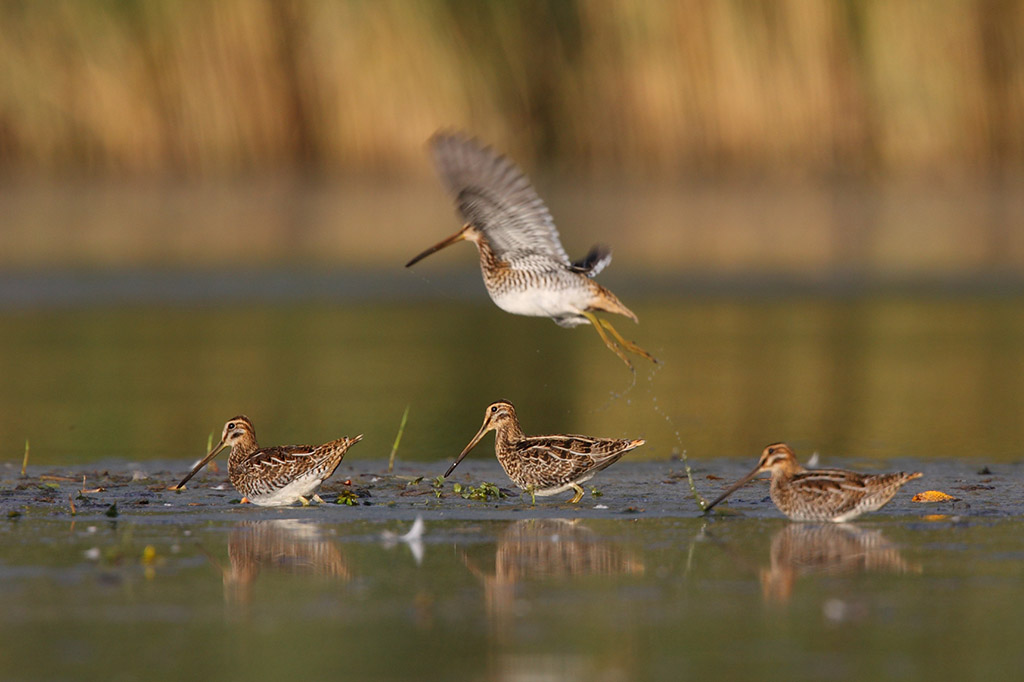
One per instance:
(820, 494)
(275, 476)
(545, 465)
(525, 269)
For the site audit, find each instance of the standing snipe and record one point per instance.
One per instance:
(820, 494)
(274, 476)
(545, 465)
(525, 268)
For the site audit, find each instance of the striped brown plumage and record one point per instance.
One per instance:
(274, 476)
(820, 494)
(525, 269)
(545, 465)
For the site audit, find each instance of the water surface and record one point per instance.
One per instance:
(631, 584)
(872, 376)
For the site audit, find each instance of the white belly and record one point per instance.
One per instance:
(538, 302)
(289, 494)
(567, 486)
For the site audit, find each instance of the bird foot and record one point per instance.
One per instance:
(596, 323)
(627, 344)
(618, 343)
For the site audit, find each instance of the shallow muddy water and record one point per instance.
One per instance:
(631, 584)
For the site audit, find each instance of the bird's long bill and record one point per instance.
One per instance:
(733, 488)
(457, 237)
(465, 451)
(203, 462)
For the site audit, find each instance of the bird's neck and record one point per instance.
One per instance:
(508, 433)
(241, 451)
(786, 472)
(489, 261)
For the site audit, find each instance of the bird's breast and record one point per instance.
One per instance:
(540, 294)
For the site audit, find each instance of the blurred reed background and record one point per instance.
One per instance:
(706, 137)
(694, 87)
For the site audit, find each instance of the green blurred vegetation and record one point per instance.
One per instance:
(870, 377)
(690, 87)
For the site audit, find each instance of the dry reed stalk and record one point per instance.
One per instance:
(700, 86)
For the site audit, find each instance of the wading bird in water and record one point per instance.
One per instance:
(820, 494)
(525, 269)
(545, 465)
(277, 476)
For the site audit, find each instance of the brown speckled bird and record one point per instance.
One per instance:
(274, 476)
(545, 465)
(820, 494)
(525, 269)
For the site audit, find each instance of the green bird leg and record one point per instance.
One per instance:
(628, 345)
(604, 337)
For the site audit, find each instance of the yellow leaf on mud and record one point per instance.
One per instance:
(933, 496)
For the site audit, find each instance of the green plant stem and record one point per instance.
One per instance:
(701, 502)
(398, 439)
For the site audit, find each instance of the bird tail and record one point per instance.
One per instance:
(594, 262)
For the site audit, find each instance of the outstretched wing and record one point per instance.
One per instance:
(496, 197)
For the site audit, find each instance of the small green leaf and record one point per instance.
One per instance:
(348, 497)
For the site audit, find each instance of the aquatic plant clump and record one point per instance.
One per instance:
(484, 492)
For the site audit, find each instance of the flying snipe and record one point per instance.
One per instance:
(525, 268)
(820, 494)
(274, 476)
(545, 465)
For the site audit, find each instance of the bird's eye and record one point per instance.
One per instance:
(771, 451)
(231, 426)
(494, 408)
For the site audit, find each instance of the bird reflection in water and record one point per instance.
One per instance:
(802, 549)
(534, 551)
(537, 549)
(285, 546)
(413, 539)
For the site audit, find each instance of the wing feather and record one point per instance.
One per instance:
(566, 458)
(497, 198)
